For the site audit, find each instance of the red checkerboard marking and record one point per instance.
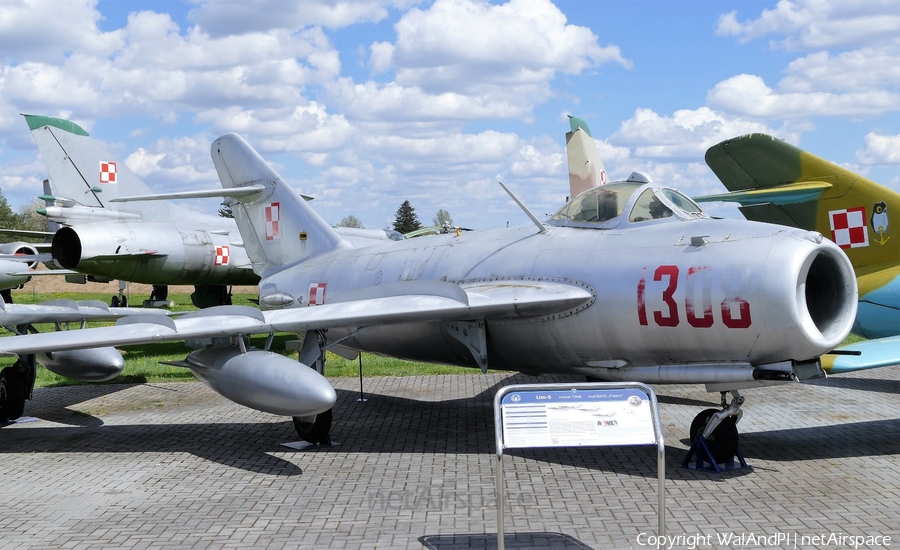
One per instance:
(221, 255)
(107, 172)
(848, 227)
(316, 294)
(273, 221)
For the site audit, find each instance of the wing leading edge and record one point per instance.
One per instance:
(485, 300)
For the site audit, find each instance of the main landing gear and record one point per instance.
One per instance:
(16, 383)
(314, 429)
(718, 429)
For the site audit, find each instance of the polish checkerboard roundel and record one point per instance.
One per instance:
(848, 227)
(107, 172)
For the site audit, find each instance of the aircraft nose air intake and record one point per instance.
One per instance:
(826, 295)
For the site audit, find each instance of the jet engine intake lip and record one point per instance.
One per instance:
(827, 295)
(66, 248)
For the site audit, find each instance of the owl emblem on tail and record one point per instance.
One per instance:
(879, 222)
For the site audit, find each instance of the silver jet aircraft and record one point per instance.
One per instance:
(627, 281)
(159, 243)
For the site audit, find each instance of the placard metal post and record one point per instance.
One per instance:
(598, 414)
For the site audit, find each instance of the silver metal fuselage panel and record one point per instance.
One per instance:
(737, 294)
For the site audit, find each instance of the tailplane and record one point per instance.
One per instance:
(277, 225)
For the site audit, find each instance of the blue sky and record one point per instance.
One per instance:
(367, 103)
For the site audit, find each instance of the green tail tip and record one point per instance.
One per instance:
(576, 123)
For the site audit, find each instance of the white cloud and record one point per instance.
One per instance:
(460, 44)
(180, 164)
(748, 95)
(373, 101)
(818, 24)
(880, 149)
(686, 134)
(46, 30)
(856, 71)
(221, 17)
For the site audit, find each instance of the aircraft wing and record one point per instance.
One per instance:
(870, 354)
(67, 311)
(22, 233)
(410, 302)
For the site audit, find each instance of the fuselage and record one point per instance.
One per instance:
(667, 292)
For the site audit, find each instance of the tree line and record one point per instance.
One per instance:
(26, 219)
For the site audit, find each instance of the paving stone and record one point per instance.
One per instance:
(174, 465)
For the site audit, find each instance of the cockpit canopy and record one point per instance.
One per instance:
(613, 204)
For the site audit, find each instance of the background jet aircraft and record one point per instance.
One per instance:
(159, 243)
(605, 288)
(156, 242)
(776, 182)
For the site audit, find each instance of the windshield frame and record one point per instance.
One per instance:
(561, 218)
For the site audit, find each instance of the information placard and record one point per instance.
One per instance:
(577, 417)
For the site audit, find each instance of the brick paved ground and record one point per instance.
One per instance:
(176, 466)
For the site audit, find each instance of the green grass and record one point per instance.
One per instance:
(142, 363)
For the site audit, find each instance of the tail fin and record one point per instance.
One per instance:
(586, 170)
(778, 183)
(276, 224)
(82, 169)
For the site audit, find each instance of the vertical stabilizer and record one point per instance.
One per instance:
(82, 169)
(586, 170)
(276, 224)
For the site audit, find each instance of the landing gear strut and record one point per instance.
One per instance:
(719, 429)
(314, 429)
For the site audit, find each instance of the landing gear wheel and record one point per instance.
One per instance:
(723, 442)
(316, 431)
(12, 393)
(160, 292)
(124, 301)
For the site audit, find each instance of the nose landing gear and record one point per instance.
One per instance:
(715, 439)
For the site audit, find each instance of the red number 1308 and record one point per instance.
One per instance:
(735, 310)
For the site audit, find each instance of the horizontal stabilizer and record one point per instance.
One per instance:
(784, 194)
(205, 194)
(870, 354)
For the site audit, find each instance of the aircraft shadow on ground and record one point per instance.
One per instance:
(855, 439)
(389, 424)
(510, 540)
(57, 409)
(879, 385)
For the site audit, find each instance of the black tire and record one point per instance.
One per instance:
(114, 302)
(315, 432)
(723, 442)
(12, 392)
(160, 292)
(124, 301)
